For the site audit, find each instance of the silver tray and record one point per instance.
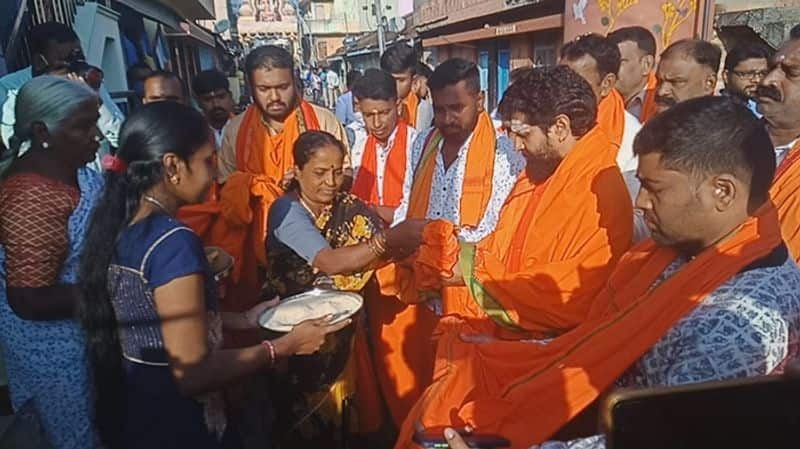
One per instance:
(311, 305)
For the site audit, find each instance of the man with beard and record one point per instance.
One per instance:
(254, 165)
(688, 69)
(779, 101)
(459, 172)
(712, 296)
(745, 67)
(597, 60)
(560, 234)
(213, 94)
(636, 80)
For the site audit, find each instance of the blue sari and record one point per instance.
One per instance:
(46, 360)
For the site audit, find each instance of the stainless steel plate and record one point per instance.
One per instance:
(311, 305)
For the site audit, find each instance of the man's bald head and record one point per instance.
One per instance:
(688, 69)
(779, 93)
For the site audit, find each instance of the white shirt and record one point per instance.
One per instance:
(782, 151)
(218, 135)
(357, 153)
(637, 103)
(626, 160)
(332, 79)
(447, 185)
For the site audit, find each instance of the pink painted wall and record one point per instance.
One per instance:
(668, 20)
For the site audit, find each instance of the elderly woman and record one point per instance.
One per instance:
(46, 197)
(318, 234)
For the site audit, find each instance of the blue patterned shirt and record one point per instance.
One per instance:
(749, 326)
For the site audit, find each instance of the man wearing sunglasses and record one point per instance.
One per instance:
(745, 66)
(56, 50)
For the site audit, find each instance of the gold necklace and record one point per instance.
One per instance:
(157, 203)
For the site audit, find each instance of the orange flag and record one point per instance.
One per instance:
(785, 193)
(526, 391)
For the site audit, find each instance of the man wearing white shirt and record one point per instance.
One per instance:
(382, 146)
(213, 94)
(331, 88)
(635, 79)
(52, 45)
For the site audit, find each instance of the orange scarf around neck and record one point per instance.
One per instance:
(260, 153)
(649, 103)
(478, 175)
(785, 192)
(611, 117)
(365, 185)
(532, 390)
(409, 111)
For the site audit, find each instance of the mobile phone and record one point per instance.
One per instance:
(735, 414)
(433, 438)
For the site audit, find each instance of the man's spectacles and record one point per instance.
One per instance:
(751, 74)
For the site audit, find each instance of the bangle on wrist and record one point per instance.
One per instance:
(270, 347)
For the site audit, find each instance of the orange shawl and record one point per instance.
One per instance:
(649, 104)
(403, 329)
(611, 117)
(477, 183)
(245, 198)
(365, 185)
(409, 109)
(785, 192)
(553, 248)
(526, 391)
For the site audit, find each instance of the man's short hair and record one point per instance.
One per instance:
(599, 48)
(399, 58)
(208, 81)
(743, 52)
(376, 84)
(794, 33)
(643, 38)
(268, 57)
(703, 52)
(712, 135)
(542, 94)
(424, 70)
(164, 74)
(43, 34)
(352, 77)
(454, 71)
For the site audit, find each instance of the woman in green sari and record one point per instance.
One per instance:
(317, 233)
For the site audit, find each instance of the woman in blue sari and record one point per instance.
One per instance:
(46, 198)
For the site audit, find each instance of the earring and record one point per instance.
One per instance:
(175, 179)
(45, 145)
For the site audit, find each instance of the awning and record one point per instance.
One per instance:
(155, 11)
(523, 26)
(191, 31)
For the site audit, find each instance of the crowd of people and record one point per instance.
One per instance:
(617, 222)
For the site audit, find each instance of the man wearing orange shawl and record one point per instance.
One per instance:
(636, 80)
(379, 157)
(255, 156)
(459, 171)
(563, 227)
(712, 296)
(779, 98)
(597, 60)
(401, 61)
(382, 146)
